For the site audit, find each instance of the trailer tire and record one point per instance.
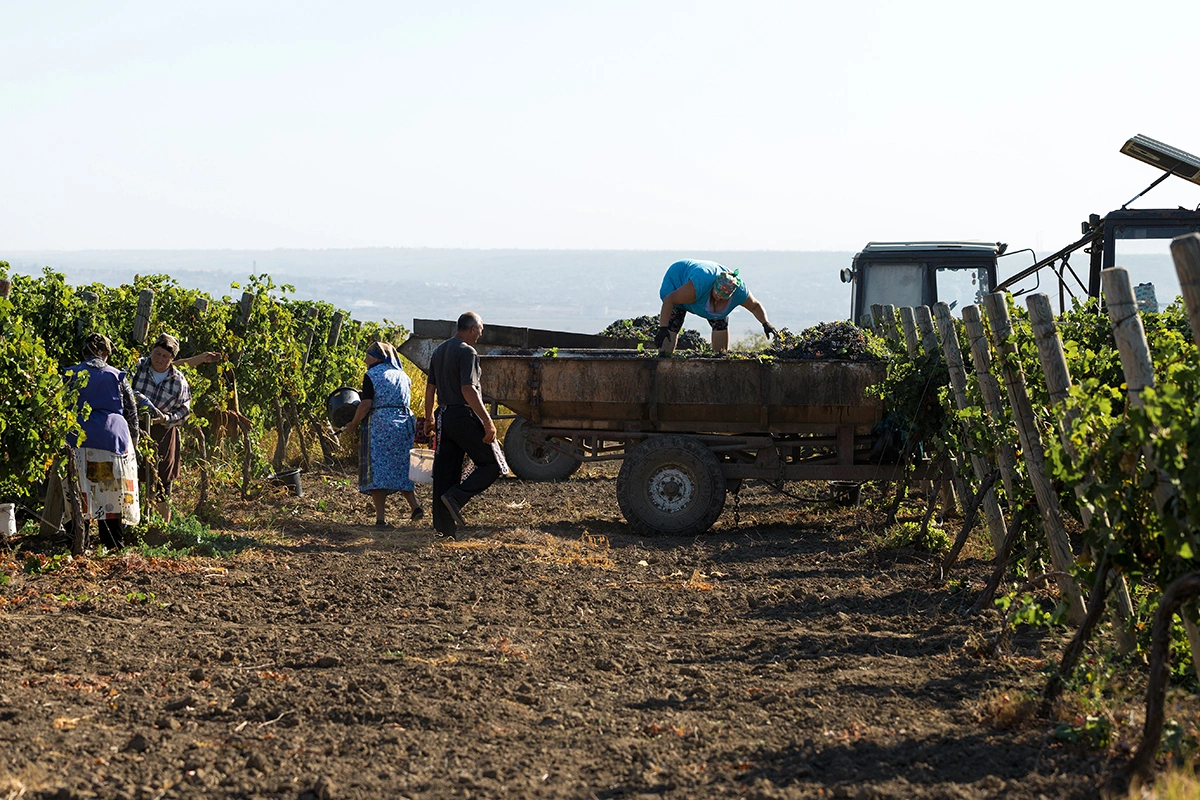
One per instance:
(530, 459)
(671, 485)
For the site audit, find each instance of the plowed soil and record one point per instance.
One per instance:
(787, 653)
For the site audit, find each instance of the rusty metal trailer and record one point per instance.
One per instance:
(688, 430)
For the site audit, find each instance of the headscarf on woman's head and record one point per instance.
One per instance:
(727, 284)
(168, 342)
(385, 352)
(96, 345)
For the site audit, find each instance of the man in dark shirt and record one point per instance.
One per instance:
(463, 425)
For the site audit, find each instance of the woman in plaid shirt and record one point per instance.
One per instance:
(162, 390)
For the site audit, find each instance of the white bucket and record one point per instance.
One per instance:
(8, 520)
(420, 465)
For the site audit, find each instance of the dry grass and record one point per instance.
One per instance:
(1177, 784)
(25, 783)
(1010, 710)
(588, 551)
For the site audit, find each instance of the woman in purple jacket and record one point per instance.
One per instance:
(107, 456)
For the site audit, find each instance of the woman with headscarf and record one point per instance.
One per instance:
(388, 432)
(709, 290)
(163, 391)
(107, 458)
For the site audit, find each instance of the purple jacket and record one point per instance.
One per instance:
(112, 425)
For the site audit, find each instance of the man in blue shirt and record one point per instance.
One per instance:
(708, 290)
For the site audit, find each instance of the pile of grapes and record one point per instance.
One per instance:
(643, 329)
(829, 341)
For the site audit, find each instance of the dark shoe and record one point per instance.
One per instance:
(454, 509)
(381, 525)
(417, 513)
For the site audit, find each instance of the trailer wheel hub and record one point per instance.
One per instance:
(671, 490)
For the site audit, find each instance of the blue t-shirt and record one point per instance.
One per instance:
(702, 274)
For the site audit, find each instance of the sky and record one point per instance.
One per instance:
(753, 125)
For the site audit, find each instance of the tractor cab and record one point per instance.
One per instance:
(920, 274)
(1121, 238)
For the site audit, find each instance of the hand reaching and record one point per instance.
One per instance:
(770, 331)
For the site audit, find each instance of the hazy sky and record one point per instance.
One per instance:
(664, 125)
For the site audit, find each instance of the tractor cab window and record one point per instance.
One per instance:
(896, 284)
(959, 287)
(1147, 256)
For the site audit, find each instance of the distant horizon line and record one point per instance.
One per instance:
(27, 251)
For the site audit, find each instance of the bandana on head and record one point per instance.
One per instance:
(386, 353)
(726, 285)
(97, 345)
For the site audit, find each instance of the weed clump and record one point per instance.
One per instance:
(909, 534)
(185, 535)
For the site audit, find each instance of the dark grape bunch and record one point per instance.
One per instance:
(643, 329)
(828, 341)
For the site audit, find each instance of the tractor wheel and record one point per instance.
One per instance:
(672, 486)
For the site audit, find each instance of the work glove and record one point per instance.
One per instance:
(770, 331)
(660, 338)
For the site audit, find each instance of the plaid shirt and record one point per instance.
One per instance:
(172, 397)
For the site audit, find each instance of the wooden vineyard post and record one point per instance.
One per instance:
(929, 345)
(335, 330)
(247, 461)
(1006, 457)
(202, 446)
(888, 316)
(283, 432)
(312, 329)
(294, 417)
(928, 336)
(74, 499)
(958, 383)
(1139, 375)
(877, 318)
(1061, 556)
(1186, 252)
(1135, 358)
(908, 323)
(245, 308)
(5, 288)
(1058, 382)
(84, 321)
(141, 320)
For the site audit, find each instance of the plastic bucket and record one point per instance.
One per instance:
(420, 465)
(8, 520)
(342, 404)
(291, 479)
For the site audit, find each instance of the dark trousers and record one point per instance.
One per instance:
(460, 433)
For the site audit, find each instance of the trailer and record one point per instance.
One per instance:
(688, 431)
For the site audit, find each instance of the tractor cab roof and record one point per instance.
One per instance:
(952, 249)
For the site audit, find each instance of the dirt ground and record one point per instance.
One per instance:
(550, 655)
